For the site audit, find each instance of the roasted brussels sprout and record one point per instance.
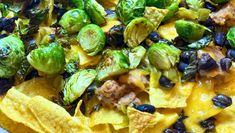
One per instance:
(163, 56)
(195, 4)
(95, 11)
(129, 9)
(73, 20)
(78, 3)
(134, 33)
(11, 55)
(231, 36)
(92, 39)
(159, 3)
(155, 15)
(172, 10)
(77, 84)
(114, 63)
(135, 56)
(189, 30)
(48, 59)
(219, 1)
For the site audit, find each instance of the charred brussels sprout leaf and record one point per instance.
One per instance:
(77, 84)
(195, 4)
(114, 63)
(159, 3)
(189, 30)
(155, 15)
(48, 59)
(11, 55)
(135, 55)
(205, 41)
(137, 31)
(163, 56)
(95, 11)
(115, 36)
(191, 70)
(129, 9)
(73, 20)
(92, 39)
(231, 36)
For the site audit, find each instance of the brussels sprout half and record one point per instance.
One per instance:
(78, 3)
(48, 59)
(73, 20)
(189, 30)
(77, 84)
(129, 9)
(137, 31)
(159, 3)
(92, 39)
(114, 63)
(135, 56)
(12, 53)
(95, 11)
(195, 4)
(231, 36)
(163, 56)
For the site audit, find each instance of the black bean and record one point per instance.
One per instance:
(179, 125)
(32, 74)
(227, 44)
(146, 108)
(182, 66)
(225, 64)
(186, 56)
(115, 36)
(5, 85)
(209, 22)
(3, 36)
(169, 130)
(219, 39)
(154, 36)
(222, 101)
(180, 42)
(206, 62)
(109, 12)
(210, 6)
(231, 54)
(8, 24)
(208, 124)
(166, 83)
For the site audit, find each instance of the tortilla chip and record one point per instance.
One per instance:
(108, 116)
(225, 120)
(168, 31)
(139, 121)
(168, 119)
(104, 128)
(200, 106)
(41, 87)
(39, 114)
(174, 98)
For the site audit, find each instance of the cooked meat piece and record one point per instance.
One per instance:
(226, 15)
(112, 94)
(128, 99)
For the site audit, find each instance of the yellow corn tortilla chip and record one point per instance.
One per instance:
(168, 119)
(225, 120)
(45, 87)
(108, 116)
(104, 128)
(200, 106)
(39, 114)
(174, 98)
(168, 31)
(139, 121)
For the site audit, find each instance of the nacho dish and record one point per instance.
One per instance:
(117, 66)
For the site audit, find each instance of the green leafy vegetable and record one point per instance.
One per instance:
(92, 39)
(134, 33)
(129, 9)
(205, 41)
(77, 84)
(231, 36)
(95, 11)
(159, 3)
(73, 20)
(48, 59)
(172, 9)
(189, 30)
(78, 3)
(136, 55)
(163, 56)
(195, 4)
(114, 63)
(11, 55)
